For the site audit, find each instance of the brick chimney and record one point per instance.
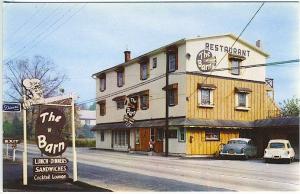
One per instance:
(127, 56)
(258, 43)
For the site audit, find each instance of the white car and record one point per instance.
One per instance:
(279, 149)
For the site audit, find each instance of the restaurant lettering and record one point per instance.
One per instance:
(227, 49)
(49, 126)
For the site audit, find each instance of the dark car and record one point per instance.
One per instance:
(241, 147)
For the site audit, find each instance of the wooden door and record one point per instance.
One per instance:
(158, 144)
(144, 138)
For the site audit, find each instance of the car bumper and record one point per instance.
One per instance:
(277, 157)
(232, 154)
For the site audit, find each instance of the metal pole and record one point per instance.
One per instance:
(14, 154)
(25, 145)
(6, 150)
(167, 109)
(73, 143)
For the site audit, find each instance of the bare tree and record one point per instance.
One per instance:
(39, 68)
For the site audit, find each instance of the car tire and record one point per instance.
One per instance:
(267, 160)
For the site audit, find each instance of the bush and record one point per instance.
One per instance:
(82, 143)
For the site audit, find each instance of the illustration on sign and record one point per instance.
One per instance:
(34, 92)
(11, 107)
(49, 126)
(205, 60)
(131, 109)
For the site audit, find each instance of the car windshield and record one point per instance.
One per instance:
(276, 145)
(237, 142)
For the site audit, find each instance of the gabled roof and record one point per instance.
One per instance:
(180, 42)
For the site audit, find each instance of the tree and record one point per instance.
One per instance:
(290, 107)
(36, 68)
(39, 68)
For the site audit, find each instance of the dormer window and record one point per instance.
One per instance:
(144, 70)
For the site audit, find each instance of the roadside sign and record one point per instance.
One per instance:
(49, 169)
(11, 141)
(11, 107)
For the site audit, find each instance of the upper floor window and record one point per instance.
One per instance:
(172, 58)
(102, 107)
(242, 98)
(120, 101)
(102, 79)
(144, 70)
(154, 62)
(172, 94)
(205, 95)
(235, 67)
(144, 101)
(235, 63)
(172, 62)
(120, 78)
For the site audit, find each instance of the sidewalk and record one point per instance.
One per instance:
(12, 181)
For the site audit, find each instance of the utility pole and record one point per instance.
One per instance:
(167, 109)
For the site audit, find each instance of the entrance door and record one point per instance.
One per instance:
(142, 138)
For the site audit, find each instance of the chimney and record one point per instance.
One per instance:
(258, 43)
(127, 56)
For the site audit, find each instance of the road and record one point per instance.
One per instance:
(130, 172)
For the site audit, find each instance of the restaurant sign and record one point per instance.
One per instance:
(49, 169)
(205, 61)
(131, 108)
(49, 126)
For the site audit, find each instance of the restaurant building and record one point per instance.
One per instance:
(214, 95)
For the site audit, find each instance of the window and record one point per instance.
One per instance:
(181, 134)
(235, 67)
(154, 62)
(102, 107)
(137, 136)
(144, 102)
(102, 84)
(144, 71)
(212, 135)
(120, 104)
(120, 78)
(102, 135)
(242, 99)
(172, 62)
(160, 134)
(205, 97)
(173, 97)
(152, 134)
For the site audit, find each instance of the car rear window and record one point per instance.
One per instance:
(237, 142)
(276, 145)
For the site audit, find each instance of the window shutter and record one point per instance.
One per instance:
(141, 71)
(176, 96)
(148, 70)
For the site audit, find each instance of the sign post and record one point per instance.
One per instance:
(25, 146)
(73, 142)
(6, 150)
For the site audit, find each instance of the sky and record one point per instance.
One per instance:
(85, 38)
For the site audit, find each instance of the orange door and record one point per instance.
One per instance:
(158, 144)
(144, 138)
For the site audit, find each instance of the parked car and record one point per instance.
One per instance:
(279, 149)
(241, 147)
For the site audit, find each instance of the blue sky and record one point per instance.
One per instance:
(95, 37)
